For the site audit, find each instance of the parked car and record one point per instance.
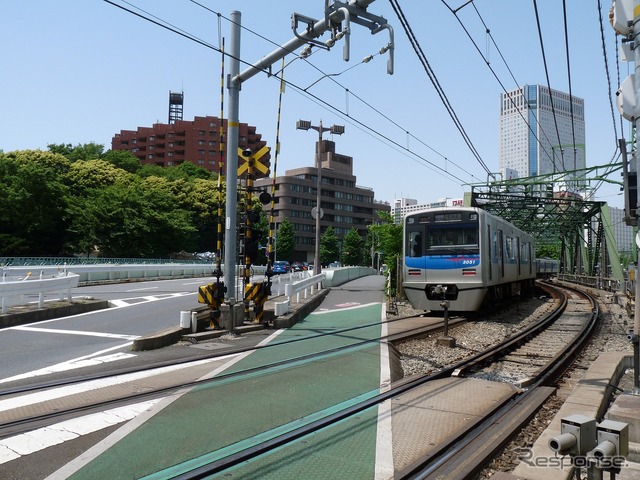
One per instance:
(298, 267)
(281, 266)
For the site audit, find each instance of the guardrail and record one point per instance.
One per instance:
(599, 283)
(60, 261)
(9, 289)
(295, 288)
(127, 272)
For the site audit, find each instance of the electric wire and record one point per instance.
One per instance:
(378, 134)
(348, 91)
(546, 71)
(610, 89)
(566, 46)
(510, 97)
(432, 77)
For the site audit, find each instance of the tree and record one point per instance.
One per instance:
(123, 159)
(86, 151)
(92, 174)
(329, 247)
(33, 204)
(285, 240)
(131, 221)
(352, 248)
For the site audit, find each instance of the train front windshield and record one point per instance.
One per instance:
(442, 233)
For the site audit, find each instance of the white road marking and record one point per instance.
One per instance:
(26, 443)
(322, 311)
(92, 359)
(76, 332)
(384, 467)
(56, 393)
(73, 466)
(140, 289)
(30, 442)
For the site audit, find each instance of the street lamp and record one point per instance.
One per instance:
(336, 130)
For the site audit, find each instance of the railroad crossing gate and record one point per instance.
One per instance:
(258, 293)
(212, 294)
(579, 231)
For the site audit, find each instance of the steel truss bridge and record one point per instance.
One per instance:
(580, 231)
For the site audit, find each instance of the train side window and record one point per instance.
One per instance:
(509, 246)
(415, 244)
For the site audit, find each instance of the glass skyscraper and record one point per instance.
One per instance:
(531, 141)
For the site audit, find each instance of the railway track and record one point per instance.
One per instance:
(21, 410)
(535, 359)
(30, 417)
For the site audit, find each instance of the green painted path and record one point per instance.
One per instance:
(213, 421)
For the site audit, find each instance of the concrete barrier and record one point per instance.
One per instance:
(338, 276)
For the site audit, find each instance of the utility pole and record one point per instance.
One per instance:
(337, 20)
(336, 130)
(233, 85)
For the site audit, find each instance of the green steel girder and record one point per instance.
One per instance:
(564, 219)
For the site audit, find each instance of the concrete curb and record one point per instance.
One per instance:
(40, 314)
(160, 339)
(172, 335)
(300, 310)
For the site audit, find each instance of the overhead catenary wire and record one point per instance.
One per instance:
(546, 71)
(504, 89)
(432, 77)
(376, 133)
(566, 46)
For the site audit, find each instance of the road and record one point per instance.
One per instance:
(56, 347)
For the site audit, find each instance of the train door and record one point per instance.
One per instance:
(489, 253)
(518, 256)
(500, 255)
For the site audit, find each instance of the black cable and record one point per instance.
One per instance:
(546, 71)
(173, 29)
(566, 46)
(432, 77)
(511, 99)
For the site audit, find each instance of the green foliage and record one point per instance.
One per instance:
(78, 200)
(33, 204)
(133, 221)
(353, 248)
(285, 240)
(91, 174)
(185, 171)
(329, 247)
(548, 251)
(86, 151)
(387, 238)
(124, 160)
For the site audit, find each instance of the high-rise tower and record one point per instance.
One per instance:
(534, 141)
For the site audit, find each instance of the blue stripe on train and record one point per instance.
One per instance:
(443, 262)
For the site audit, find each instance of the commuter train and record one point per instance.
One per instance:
(466, 256)
(547, 267)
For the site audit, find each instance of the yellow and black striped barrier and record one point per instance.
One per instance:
(212, 294)
(258, 293)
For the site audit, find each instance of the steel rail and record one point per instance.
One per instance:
(22, 425)
(467, 455)
(211, 356)
(191, 472)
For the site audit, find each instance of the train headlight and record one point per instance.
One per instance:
(438, 290)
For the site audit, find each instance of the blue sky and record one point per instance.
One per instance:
(80, 71)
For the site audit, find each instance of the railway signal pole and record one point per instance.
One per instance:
(337, 19)
(626, 22)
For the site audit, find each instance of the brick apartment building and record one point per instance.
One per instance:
(196, 141)
(345, 204)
